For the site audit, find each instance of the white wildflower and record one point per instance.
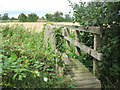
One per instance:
(45, 79)
(113, 22)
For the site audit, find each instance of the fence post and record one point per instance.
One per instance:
(97, 45)
(67, 34)
(77, 38)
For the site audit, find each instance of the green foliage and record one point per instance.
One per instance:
(106, 15)
(60, 43)
(26, 63)
(96, 13)
(32, 17)
(0, 17)
(59, 40)
(58, 17)
(49, 17)
(13, 18)
(67, 18)
(22, 17)
(83, 57)
(5, 16)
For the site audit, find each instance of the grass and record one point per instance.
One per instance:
(8, 21)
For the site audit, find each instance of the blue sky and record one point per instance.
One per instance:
(40, 7)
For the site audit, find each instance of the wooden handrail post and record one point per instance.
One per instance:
(77, 38)
(97, 45)
(67, 34)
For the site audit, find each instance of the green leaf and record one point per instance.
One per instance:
(14, 76)
(24, 75)
(13, 56)
(20, 77)
(1, 56)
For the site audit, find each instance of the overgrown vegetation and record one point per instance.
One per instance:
(106, 15)
(26, 63)
(30, 18)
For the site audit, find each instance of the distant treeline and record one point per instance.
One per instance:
(56, 17)
(6, 17)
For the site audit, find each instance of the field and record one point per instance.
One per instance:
(37, 26)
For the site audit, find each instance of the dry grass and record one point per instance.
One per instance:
(36, 26)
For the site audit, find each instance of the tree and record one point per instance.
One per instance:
(32, 17)
(13, 18)
(49, 17)
(5, 16)
(58, 16)
(43, 18)
(0, 17)
(106, 16)
(67, 18)
(22, 17)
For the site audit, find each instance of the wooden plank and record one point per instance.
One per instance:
(67, 42)
(86, 49)
(94, 85)
(87, 82)
(97, 45)
(81, 76)
(91, 29)
(77, 51)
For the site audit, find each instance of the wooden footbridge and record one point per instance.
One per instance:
(75, 70)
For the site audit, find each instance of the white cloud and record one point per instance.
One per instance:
(35, 6)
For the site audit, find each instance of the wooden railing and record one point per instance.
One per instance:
(96, 31)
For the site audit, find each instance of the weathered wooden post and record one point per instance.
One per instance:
(97, 45)
(67, 33)
(77, 38)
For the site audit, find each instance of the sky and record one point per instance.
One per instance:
(40, 7)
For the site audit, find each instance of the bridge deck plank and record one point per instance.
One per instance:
(81, 76)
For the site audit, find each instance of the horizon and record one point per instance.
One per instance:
(14, 8)
(34, 6)
(41, 14)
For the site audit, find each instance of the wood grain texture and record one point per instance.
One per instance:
(81, 76)
(90, 29)
(97, 45)
(75, 70)
(86, 49)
